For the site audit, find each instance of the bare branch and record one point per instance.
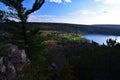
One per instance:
(37, 5)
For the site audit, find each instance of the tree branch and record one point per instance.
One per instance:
(37, 5)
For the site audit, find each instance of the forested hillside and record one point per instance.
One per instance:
(82, 29)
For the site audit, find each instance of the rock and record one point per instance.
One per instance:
(12, 64)
(7, 49)
(10, 47)
(2, 67)
(18, 56)
(10, 70)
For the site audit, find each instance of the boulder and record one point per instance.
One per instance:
(12, 64)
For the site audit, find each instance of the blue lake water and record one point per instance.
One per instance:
(101, 38)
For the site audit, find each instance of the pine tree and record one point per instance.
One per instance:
(18, 11)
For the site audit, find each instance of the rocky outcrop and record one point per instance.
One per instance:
(12, 62)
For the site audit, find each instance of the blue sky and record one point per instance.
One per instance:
(77, 11)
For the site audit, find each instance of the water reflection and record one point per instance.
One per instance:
(101, 38)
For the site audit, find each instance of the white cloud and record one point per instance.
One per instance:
(109, 1)
(68, 1)
(91, 16)
(111, 17)
(97, 0)
(56, 1)
(60, 1)
(85, 12)
(97, 16)
(39, 18)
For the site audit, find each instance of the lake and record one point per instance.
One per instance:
(101, 38)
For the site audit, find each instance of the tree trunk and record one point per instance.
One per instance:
(24, 32)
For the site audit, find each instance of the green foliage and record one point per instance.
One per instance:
(1, 43)
(75, 57)
(66, 71)
(3, 50)
(35, 45)
(111, 43)
(42, 59)
(38, 70)
(72, 38)
(13, 29)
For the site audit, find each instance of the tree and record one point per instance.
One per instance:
(18, 11)
(3, 16)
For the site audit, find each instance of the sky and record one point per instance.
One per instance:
(76, 11)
